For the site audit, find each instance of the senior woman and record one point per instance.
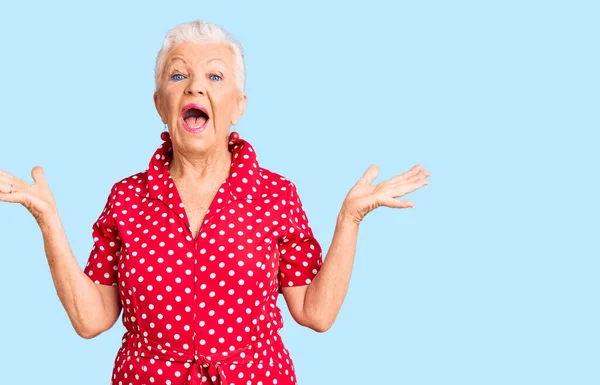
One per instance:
(196, 249)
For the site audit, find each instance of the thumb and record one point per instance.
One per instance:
(38, 175)
(371, 174)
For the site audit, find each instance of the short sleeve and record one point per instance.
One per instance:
(102, 263)
(300, 253)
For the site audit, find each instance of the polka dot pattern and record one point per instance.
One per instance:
(203, 311)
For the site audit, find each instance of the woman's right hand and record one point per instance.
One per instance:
(37, 197)
(91, 308)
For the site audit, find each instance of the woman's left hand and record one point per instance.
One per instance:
(365, 197)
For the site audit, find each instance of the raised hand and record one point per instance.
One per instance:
(37, 197)
(365, 197)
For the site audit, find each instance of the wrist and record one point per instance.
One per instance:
(345, 218)
(48, 219)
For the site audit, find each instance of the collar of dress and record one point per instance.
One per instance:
(243, 182)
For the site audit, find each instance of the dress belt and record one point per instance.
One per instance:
(210, 365)
(213, 366)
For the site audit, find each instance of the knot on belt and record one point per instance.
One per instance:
(212, 366)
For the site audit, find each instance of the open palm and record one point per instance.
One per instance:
(365, 197)
(36, 197)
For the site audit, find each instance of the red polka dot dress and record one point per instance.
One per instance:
(203, 311)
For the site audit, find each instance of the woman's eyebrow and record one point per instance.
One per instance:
(172, 59)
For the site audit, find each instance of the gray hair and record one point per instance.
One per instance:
(196, 31)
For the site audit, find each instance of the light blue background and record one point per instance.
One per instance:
(491, 279)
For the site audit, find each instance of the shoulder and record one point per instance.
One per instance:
(136, 184)
(282, 189)
(276, 184)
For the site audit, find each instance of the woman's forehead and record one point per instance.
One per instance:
(201, 52)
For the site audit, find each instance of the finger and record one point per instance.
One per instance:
(406, 188)
(420, 176)
(5, 187)
(396, 204)
(370, 175)
(6, 173)
(11, 184)
(37, 173)
(418, 184)
(15, 197)
(8, 178)
(405, 175)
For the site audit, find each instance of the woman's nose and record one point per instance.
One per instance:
(195, 86)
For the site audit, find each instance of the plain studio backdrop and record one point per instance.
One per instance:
(491, 279)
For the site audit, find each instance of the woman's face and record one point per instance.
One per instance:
(197, 95)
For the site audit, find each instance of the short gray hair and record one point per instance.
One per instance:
(196, 31)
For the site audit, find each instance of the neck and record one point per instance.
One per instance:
(197, 168)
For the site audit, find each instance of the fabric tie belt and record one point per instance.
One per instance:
(210, 366)
(213, 366)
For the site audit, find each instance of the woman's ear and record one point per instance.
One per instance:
(239, 110)
(158, 107)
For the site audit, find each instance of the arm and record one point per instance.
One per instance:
(317, 305)
(91, 308)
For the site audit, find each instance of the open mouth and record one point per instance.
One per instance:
(194, 117)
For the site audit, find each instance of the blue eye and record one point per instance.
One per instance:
(218, 78)
(174, 77)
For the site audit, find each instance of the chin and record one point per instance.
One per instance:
(197, 141)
